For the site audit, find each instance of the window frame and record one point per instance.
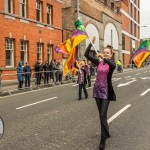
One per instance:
(7, 48)
(49, 52)
(39, 10)
(39, 51)
(9, 6)
(24, 50)
(25, 8)
(49, 14)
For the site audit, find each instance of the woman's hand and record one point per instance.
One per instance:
(99, 55)
(93, 39)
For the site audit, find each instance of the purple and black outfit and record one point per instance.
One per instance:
(88, 72)
(82, 81)
(103, 90)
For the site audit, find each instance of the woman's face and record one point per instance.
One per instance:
(107, 53)
(82, 63)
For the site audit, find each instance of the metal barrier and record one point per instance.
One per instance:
(46, 78)
(37, 80)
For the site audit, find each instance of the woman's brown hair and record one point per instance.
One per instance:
(109, 47)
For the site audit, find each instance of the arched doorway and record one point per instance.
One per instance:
(92, 31)
(111, 38)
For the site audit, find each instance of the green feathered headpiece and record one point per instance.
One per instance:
(79, 25)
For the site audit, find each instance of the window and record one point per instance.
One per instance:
(131, 30)
(9, 43)
(123, 41)
(23, 52)
(39, 10)
(135, 26)
(9, 6)
(49, 52)
(49, 14)
(23, 8)
(39, 51)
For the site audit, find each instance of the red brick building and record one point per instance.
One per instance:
(28, 31)
(130, 14)
(101, 18)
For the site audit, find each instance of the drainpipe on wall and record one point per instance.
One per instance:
(78, 8)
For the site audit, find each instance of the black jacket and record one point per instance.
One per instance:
(46, 67)
(27, 70)
(38, 67)
(112, 66)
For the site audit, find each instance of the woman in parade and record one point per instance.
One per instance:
(103, 90)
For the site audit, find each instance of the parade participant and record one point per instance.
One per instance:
(89, 73)
(119, 66)
(82, 79)
(103, 90)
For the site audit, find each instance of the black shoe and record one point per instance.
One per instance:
(102, 145)
(79, 99)
(86, 97)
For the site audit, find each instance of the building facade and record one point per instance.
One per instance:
(101, 18)
(29, 29)
(130, 14)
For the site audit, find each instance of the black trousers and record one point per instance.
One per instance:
(57, 76)
(84, 89)
(38, 78)
(102, 105)
(27, 81)
(89, 80)
(46, 77)
(20, 85)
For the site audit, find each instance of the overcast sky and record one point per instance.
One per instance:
(145, 18)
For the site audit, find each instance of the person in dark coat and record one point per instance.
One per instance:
(20, 74)
(60, 72)
(38, 69)
(27, 73)
(46, 68)
(82, 81)
(88, 72)
(103, 90)
(54, 70)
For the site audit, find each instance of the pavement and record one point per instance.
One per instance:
(8, 89)
(53, 118)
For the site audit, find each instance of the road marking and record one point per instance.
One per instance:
(137, 74)
(36, 103)
(124, 84)
(89, 87)
(37, 90)
(78, 84)
(145, 92)
(118, 113)
(93, 79)
(145, 71)
(117, 79)
(144, 78)
(128, 77)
